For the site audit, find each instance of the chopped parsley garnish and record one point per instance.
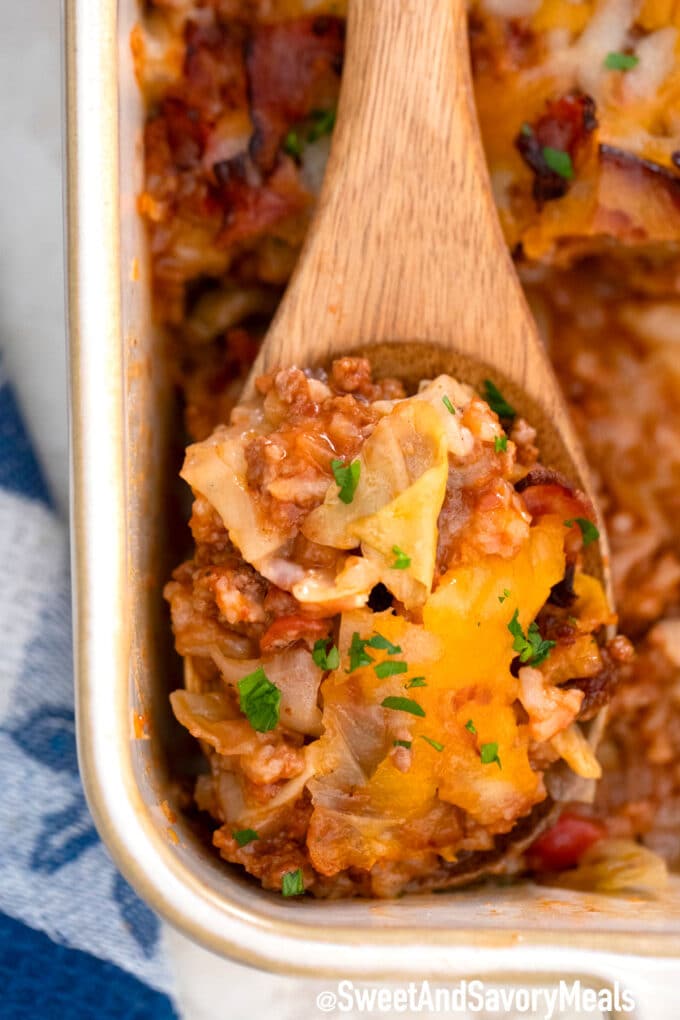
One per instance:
(506, 595)
(245, 836)
(489, 754)
(433, 743)
(323, 122)
(403, 705)
(559, 161)
(378, 641)
(292, 883)
(531, 647)
(621, 61)
(470, 727)
(526, 130)
(588, 530)
(292, 144)
(416, 681)
(403, 743)
(446, 401)
(387, 668)
(347, 478)
(401, 560)
(497, 401)
(358, 656)
(325, 657)
(500, 444)
(260, 700)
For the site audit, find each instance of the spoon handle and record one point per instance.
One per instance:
(405, 243)
(406, 250)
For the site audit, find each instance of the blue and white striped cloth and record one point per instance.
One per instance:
(75, 941)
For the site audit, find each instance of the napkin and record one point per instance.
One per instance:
(75, 940)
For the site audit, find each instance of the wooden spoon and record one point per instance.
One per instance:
(405, 259)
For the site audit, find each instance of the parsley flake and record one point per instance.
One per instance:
(506, 595)
(245, 836)
(621, 61)
(489, 755)
(500, 444)
(292, 145)
(433, 743)
(378, 641)
(470, 727)
(401, 560)
(532, 648)
(346, 477)
(259, 700)
(292, 883)
(559, 161)
(416, 681)
(403, 705)
(402, 743)
(358, 656)
(387, 668)
(446, 401)
(325, 657)
(323, 122)
(588, 530)
(320, 123)
(497, 401)
(526, 130)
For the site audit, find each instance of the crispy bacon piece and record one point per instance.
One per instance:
(214, 182)
(214, 70)
(640, 199)
(565, 126)
(288, 629)
(253, 209)
(645, 172)
(294, 68)
(547, 492)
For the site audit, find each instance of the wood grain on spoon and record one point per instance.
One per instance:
(405, 258)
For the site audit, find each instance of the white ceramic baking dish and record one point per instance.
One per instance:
(124, 455)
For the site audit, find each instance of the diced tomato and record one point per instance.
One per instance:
(564, 845)
(289, 629)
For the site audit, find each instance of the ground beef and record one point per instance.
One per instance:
(639, 795)
(227, 208)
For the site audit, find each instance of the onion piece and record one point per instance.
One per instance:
(572, 745)
(350, 589)
(297, 677)
(260, 817)
(617, 866)
(211, 717)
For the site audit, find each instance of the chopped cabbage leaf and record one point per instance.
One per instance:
(404, 467)
(216, 468)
